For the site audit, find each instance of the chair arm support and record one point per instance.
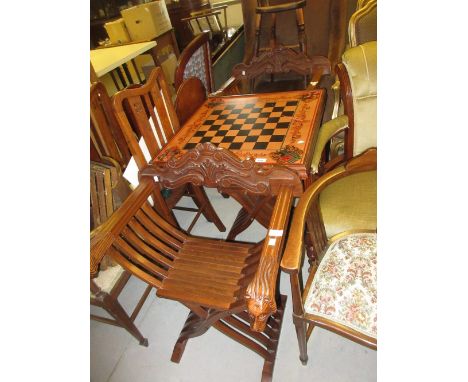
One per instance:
(326, 132)
(261, 292)
(104, 236)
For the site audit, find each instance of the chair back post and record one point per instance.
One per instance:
(107, 140)
(189, 64)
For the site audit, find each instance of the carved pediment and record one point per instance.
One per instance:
(219, 168)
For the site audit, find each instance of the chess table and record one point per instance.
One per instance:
(270, 128)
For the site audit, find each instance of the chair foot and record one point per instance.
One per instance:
(144, 342)
(304, 361)
(178, 351)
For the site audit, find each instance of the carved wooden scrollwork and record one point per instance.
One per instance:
(216, 167)
(281, 60)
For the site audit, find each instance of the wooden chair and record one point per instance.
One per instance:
(148, 110)
(208, 21)
(106, 196)
(190, 96)
(264, 8)
(340, 293)
(363, 24)
(355, 130)
(226, 285)
(107, 141)
(195, 61)
(280, 60)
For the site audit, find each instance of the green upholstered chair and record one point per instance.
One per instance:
(340, 293)
(354, 131)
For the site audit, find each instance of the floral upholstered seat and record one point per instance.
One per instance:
(344, 288)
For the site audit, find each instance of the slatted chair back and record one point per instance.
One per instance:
(146, 111)
(195, 61)
(107, 140)
(363, 24)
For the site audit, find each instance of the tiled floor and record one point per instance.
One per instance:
(117, 357)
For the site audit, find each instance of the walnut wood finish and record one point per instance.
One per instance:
(305, 211)
(106, 182)
(148, 111)
(201, 41)
(190, 97)
(225, 285)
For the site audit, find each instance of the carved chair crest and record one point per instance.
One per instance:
(281, 60)
(219, 168)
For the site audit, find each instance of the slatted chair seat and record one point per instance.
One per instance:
(231, 286)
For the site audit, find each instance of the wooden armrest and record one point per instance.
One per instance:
(261, 292)
(104, 236)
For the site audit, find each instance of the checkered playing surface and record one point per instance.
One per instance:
(248, 126)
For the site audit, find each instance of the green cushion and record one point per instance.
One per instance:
(350, 203)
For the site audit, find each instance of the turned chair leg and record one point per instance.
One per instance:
(113, 307)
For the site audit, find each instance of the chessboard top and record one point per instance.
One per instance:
(270, 128)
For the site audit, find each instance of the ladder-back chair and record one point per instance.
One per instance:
(341, 291)
(147, 112)
(226, 285)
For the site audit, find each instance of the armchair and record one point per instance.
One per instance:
(340, 293)
(356, 129)
(226, 285)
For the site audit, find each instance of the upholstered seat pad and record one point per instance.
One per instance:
(108, 277)
(350, 203)
(344, 288)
